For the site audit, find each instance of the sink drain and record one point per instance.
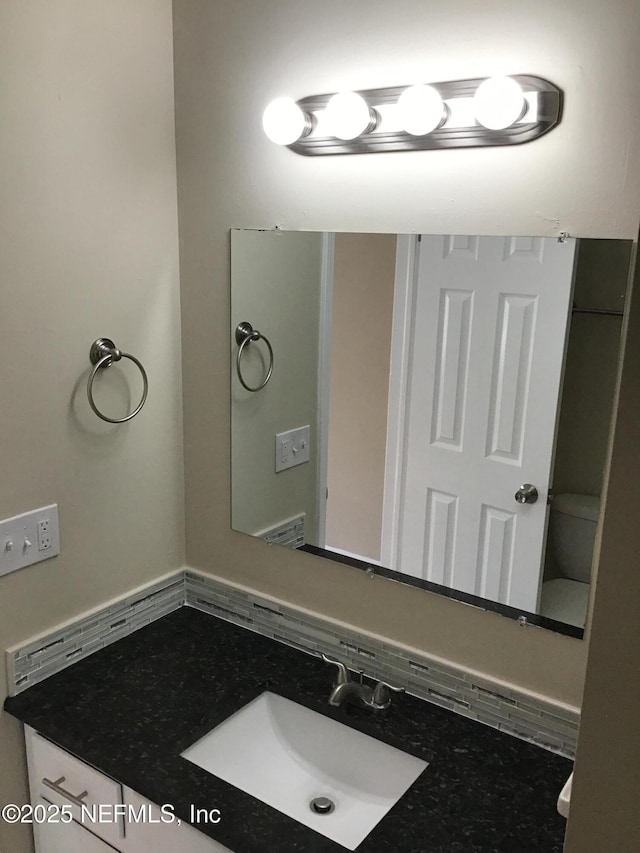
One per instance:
(322, 805)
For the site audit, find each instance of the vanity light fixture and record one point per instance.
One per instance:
(454, 114)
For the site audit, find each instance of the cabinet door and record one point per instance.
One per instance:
(66, 837)
(146, 837)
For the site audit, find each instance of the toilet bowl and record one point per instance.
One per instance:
(572, 531)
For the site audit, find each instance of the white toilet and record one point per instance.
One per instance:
(572, 531)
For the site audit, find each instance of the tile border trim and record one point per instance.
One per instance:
(49, 653)
(519, 713)
(524, 715)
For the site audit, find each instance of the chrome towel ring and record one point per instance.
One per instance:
(102, 354)
(245, 334)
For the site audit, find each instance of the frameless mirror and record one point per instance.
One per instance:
(432, 408)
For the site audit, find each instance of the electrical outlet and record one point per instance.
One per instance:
(29, 538)
(44, 535)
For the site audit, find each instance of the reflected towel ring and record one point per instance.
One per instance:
(245, 334)
(102, 354)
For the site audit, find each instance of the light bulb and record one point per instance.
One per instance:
(498, 103)
(284, 122)
(348, 115)
(421, 110)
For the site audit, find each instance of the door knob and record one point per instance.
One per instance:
(526, 494)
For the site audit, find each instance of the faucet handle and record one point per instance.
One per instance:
(343, 676)
(381, 694)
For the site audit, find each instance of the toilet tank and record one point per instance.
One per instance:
(572, 529)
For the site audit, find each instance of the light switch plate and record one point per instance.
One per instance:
(29, 538)
(292, 447)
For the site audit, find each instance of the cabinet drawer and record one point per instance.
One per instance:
(64, 780)
(66, 838)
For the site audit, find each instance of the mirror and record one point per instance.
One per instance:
(432, 408)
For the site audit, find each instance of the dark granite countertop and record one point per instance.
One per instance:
(132, 708)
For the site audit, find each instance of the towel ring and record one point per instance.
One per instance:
(102, 354)
(245, 334)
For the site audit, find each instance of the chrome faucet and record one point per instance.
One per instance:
(376, 698)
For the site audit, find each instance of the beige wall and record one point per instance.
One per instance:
(606, 790)
(584, 178)
(276, 279)
(363, 283)
(87, 248)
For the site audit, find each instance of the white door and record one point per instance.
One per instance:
(487, 328)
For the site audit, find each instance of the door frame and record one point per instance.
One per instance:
(324, 372)
(403, 303)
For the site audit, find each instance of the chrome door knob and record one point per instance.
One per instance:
(526, 494)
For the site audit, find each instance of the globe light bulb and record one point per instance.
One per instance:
(284, 122)
(347, 115)
(421, 110)
(498, 103)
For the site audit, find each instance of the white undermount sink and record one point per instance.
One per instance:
(288, 756)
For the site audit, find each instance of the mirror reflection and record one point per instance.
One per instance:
(437, 405)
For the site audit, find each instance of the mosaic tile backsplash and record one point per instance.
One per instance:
(53, 652)
(515, 712)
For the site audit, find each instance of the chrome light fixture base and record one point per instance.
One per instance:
(450, 134)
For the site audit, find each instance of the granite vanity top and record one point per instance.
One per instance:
(133, 707)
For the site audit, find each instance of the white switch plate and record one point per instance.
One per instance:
(292, 447)
(29, 538)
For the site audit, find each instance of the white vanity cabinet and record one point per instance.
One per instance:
(61, 784)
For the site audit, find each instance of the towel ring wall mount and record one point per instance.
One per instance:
(246, 334)
(103, 354)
